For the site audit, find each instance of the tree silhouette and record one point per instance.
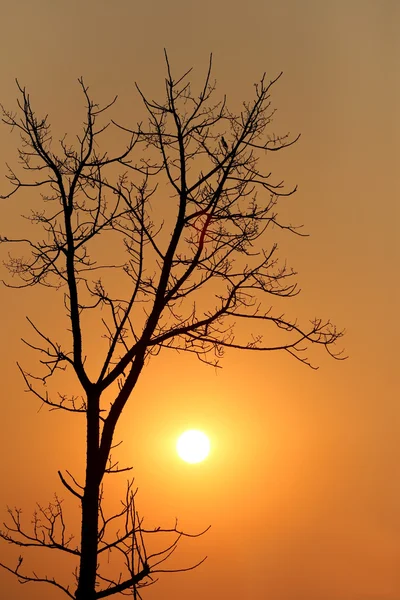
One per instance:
(186, 213)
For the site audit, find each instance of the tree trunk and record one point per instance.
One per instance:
(86, 589)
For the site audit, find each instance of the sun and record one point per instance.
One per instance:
(193, 446)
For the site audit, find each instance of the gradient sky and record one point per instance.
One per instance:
(302, 488)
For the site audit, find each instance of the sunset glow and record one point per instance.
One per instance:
(193, 446)
(148, 252)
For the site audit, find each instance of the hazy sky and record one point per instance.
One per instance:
(302, 488)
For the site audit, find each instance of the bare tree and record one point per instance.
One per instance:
(188, 209)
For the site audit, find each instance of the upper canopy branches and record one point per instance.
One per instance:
(188, 220)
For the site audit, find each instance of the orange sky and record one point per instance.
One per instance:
(303, 485)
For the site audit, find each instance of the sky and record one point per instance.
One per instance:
(302, 487)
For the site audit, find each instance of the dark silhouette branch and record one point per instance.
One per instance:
(48, 529)
(69, 488)
(34, 578)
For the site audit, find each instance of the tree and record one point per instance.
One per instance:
(190, 270)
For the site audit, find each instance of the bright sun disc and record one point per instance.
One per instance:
(193, 446)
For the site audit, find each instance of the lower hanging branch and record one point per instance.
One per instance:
(48, 531)
(140, 565)
(34, 577)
